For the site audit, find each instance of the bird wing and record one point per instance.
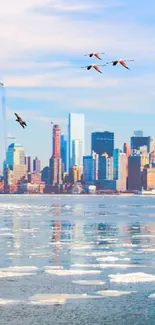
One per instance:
(97, 56)
(124, 64)
(24, 123)
(17, 115)
(97, 68)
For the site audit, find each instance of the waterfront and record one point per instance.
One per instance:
(77, 260)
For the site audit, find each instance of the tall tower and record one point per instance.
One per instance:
(56, 141)
(36, 165)
(56, 161)
(76, 137)
(64, 152)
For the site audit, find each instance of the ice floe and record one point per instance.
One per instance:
(59, 298)
(114, 293)
(8, 301)
(112, 259)
(89, 282)
(72, 272)
(152, 295)
(132, 277)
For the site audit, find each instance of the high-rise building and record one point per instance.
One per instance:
(90, 168)
(103, 142)
(36, 165)
(119, 168)
(64, 152)
(15, 155)
(45, 175)
(137, 142)
(127, 150)
(76, 131)
(56, 161)
(136, 163)
(28, 163)
(15, 162)
(105, 167)
(56, 140)
(74, 174)
(77, 147)
(149, 178)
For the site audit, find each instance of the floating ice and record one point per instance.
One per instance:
(14, 274)
(112, 259)
(56, 267)
(132, 277)
(114, 293)
(85, 265)
(59, 298)
(8, 301)
(72, 272)
(124, 266)
(147, 250)
(89, 282)
(152, 295)
(19, 269)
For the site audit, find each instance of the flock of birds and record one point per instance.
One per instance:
(95, 66)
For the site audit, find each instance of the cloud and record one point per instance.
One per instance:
(72, 6)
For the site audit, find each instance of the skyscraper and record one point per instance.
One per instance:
(64, 152)
(77, 147)
(36, 165)
(136, 163)
(105, 167)
(103, 142)
(28, 164)
(56, 161)
(15, 155)
(15, 162)
(119, 165)
(90, 168)
(137, 142)
(76, 131)
(56, 141)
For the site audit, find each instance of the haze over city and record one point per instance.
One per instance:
(42, 51)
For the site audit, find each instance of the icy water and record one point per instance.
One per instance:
(77, 260)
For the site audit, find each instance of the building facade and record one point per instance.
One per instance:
(90, 168)
(105, 167)
(55, 163)
(36, 165)
(76, 139)
(137, 142)
(102, 142)
(64, 152)
(119, 168)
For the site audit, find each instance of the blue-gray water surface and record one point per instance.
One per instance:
(77, 260)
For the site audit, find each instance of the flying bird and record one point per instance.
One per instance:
(122, 62)
(94, 54)
(20, 121)
(95, 66)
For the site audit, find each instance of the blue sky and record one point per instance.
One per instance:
(42, 50)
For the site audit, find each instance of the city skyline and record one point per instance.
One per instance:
(41, 67)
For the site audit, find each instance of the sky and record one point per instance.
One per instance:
(43, 47)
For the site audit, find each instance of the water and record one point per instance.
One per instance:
(77, 260)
